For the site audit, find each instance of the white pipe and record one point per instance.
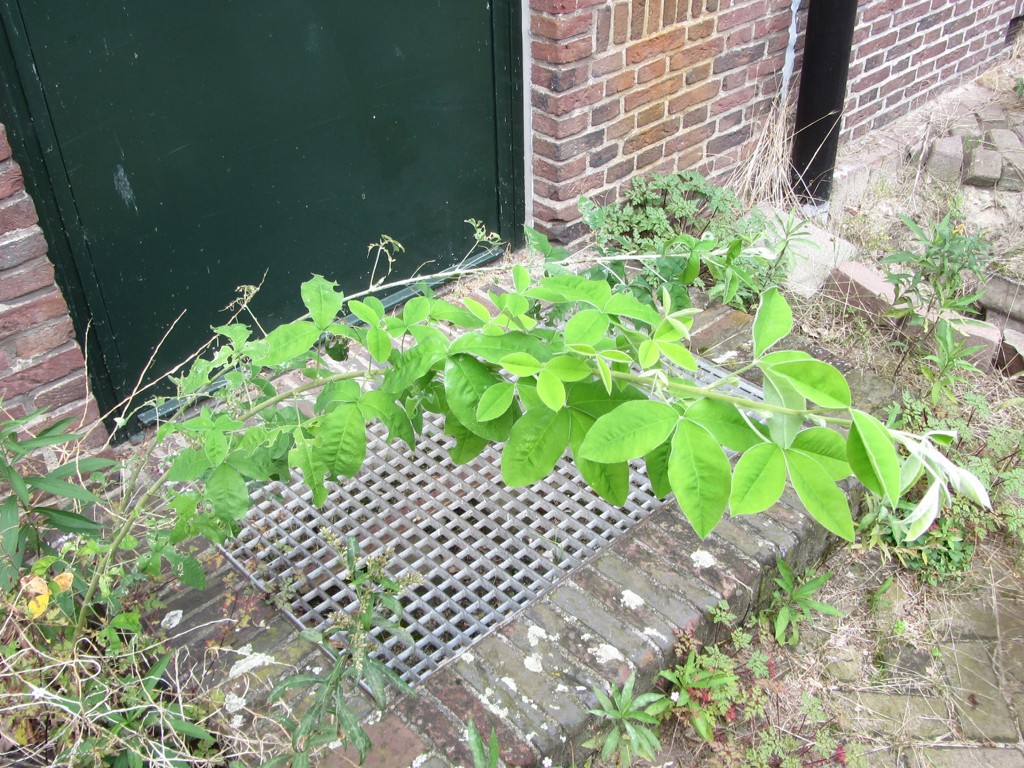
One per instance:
(790, 61)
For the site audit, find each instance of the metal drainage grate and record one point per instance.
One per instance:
(484, 551)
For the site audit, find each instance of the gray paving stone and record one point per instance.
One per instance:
(981, 707)
(983, 167)
(946, 158)
(899, 717)
(975, 757)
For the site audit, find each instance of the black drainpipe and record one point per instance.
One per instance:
(819, 109)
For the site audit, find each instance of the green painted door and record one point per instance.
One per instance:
(194, 147)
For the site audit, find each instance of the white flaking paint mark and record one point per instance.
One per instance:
(124, 188)
(561, 688)
(703, 559)
(420, 760)
(725, 356)
(171, 620)
(652, 632)
(494, 707)
(605, 653)
(535, 634)
(510, 683)
(632, 599)
(468, 657)
(249, 662)
(533, 663)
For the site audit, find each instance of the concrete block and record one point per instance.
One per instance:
(946, 158)
(983, 168)
(983, 712)
(1011, 353)
(1005, 295)
(991, 117)
(936, 757)
(861, 286)
(814, 255)
(985, 335)
(967, 127)
(1002, 140)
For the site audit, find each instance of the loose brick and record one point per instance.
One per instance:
(691, 97)
(17, 212)
(700, 30)
(604, 155)
(649, 156)
(620, 128)
(43, 338)
(637, 17)
(731, 19)
(620, 170)
(559, 172)
(696, 74)
(620, 24)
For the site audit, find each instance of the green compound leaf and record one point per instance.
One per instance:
(773, 322)
(822, 498)
(700, 475)
(378, 344)
(494, 348)
(586, 327)
(725, 422)
(467, 444)
(495, 401)
(550, 390)
(630, 431)
(377, 404)
(537, 441)
(778, 391)
(520, 364)
(758, 480)
(657, 470)
(609, 481)
(569, 369)
(465, 381)
(827, 447)
(817, 381)
(226, 493)
(872, 456)
(287, 342)
(342, 441)
(304, 456)
(322, 301)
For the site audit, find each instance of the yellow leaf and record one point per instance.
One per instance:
(63, 582)
(37, 605)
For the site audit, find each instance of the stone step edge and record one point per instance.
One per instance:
(531, 679)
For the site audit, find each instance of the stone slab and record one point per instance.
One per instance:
(981, 707)
(978, 757)
(1011, 354)
(899, 717)
(983, 167)
(946, 159)
(394, 744)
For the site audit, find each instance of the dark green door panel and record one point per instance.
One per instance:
(203, 145)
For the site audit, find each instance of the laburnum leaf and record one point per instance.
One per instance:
(827, 447)
(758, 480)
(609, 481)
(465, 381)
(725, 422)
(495, 401)
(700, 475)
(822, 498)
(630, 431)
(773, 321)
(872, 456)
(537, 441)
(341, 439)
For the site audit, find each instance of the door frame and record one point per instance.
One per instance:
(34, 145)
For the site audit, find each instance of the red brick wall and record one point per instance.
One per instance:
(626, 87)
(41, 364)
(908, 51)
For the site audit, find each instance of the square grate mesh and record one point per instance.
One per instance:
(483, 551)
